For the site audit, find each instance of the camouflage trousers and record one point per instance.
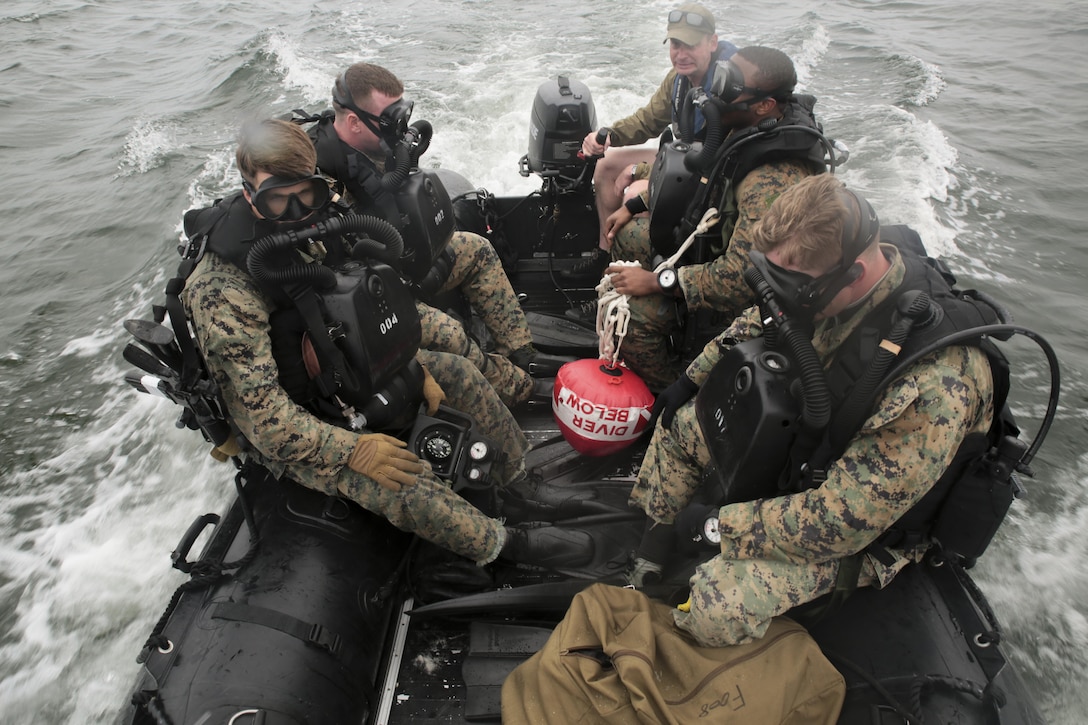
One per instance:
(672, 468)
(429, 508)
(478, 274)
(653, 317)
(732, 600)
(467, 391)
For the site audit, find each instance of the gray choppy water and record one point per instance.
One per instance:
(966, 120)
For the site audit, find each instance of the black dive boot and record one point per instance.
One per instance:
(586, 271)
(547, 546)
(533, 499)
(538, 364)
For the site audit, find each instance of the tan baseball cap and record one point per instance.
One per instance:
(690, 24)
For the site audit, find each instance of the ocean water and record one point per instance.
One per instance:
(966, 119)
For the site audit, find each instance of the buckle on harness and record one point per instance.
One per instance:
(194, 248)
(324, 639)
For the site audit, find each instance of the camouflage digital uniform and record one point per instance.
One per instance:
(780, 552)
(230, 317)
(478, 274)
(715, 285)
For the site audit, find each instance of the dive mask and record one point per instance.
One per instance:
(728, 85)
(278, 202)
(392, 123)
(801, 295)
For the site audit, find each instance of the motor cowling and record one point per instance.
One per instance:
(563, 114)
(600, 409)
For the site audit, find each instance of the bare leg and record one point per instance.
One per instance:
(611, 177)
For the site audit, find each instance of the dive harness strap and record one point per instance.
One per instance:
(206, 407)
(328, 381)
(312, 633)
(368, 180)
(846, 582)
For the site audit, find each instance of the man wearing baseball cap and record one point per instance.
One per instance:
(693, 49)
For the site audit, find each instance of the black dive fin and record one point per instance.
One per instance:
(546, 597)
(561, 336)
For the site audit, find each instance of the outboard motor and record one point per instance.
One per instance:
(563, 113)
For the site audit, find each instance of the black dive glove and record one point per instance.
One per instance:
(697, 529)
(670, 400)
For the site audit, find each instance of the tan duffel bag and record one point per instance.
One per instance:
(617, 657)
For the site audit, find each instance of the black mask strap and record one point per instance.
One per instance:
(391, 125)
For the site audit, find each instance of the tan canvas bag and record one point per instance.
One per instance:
(617, 657)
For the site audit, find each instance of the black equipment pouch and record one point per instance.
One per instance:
(978, 501)
(427, 222)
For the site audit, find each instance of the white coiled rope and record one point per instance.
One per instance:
(613, 312)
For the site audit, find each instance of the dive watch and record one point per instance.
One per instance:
(667, 279)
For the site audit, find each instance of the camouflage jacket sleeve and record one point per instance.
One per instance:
(648, 122)
(744, 327)
(230, 319)
(719, 284)
(895, 458)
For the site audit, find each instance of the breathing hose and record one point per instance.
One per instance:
(406, 154)
(815, 397)
(386, 246)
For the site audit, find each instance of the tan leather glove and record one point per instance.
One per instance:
(386, 460)
(432, 392)
(226, 450)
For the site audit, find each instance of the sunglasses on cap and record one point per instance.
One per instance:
(391, 123)
(695, 20)
(277, 201)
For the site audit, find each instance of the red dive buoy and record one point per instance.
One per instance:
(600, 409)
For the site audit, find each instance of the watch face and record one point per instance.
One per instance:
(667, 278)
(711, 532)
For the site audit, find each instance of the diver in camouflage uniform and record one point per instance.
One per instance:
(769, 80)
(230, 315)
(349, 148)
(777, 553)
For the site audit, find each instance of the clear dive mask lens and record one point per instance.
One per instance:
(289, 200)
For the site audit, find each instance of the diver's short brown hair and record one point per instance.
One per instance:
(276, 147)
(805, 224)
(362, 79)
